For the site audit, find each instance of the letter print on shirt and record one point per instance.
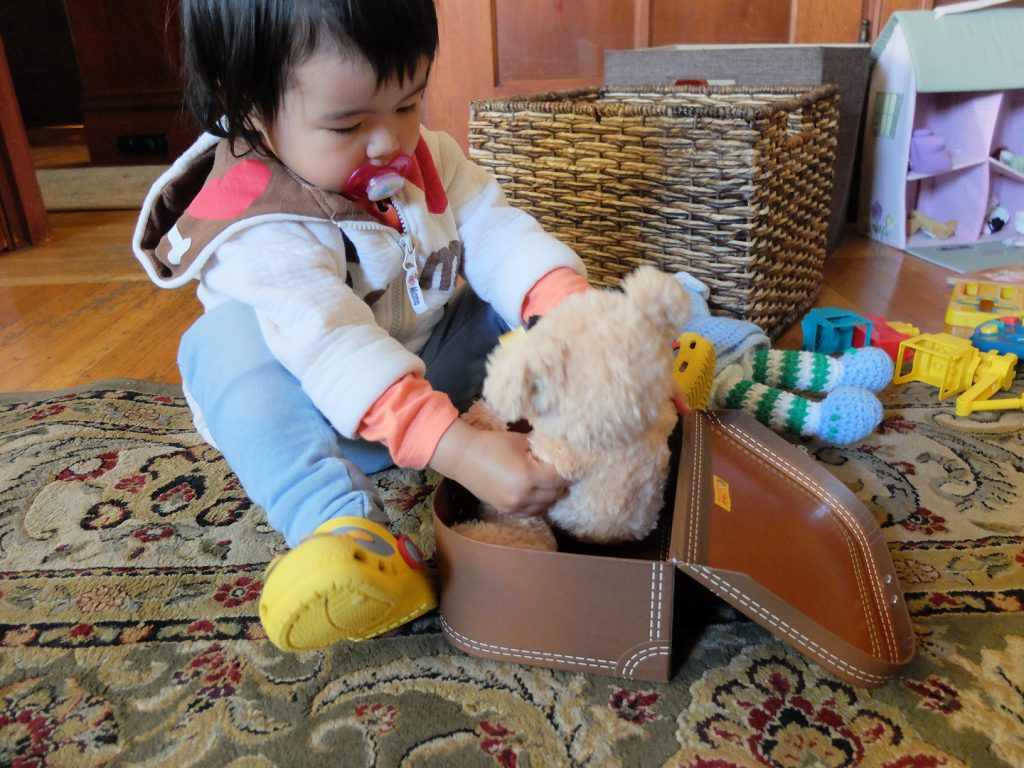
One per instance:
(441, 267)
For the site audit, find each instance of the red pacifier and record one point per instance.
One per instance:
(378, 182)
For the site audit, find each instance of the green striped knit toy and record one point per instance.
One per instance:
(772, 384)
(765, 382)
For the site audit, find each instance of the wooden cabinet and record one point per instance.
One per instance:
(503, 47)
(127, 54)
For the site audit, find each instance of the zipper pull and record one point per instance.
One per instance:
(412, 275)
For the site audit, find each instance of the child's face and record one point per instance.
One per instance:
(333, 118)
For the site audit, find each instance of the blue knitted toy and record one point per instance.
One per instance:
(751, 376)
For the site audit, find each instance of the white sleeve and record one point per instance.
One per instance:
(313, 322)
(505, 249)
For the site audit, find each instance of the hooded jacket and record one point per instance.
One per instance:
(343, 300)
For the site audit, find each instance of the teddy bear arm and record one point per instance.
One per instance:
(618, 503)
(567, 462)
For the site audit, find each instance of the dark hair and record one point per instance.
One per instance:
(238, 54)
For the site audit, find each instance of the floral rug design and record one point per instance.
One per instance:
(131, 564)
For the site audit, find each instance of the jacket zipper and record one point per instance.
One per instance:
(412, 269)
(411, 276)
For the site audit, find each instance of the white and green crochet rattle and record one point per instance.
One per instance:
(772, 385)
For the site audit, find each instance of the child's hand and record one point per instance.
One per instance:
(498, 468)
(680, 400)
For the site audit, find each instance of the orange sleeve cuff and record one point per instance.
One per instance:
(409, 418)
(549, 291)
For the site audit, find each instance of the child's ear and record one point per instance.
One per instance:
(258, 124)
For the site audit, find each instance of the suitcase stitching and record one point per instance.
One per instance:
(786, 629)
(817, 491)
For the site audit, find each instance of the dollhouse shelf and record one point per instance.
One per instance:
(960, 161)
(960, 76)
(1004, 170)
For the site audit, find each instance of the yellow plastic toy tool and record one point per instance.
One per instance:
(954, 366)
(995, 373)
(695, 369)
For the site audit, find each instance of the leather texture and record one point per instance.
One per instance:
(753, 519)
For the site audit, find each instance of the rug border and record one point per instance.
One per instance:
(133, 385)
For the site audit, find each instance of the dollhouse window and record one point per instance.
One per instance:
(886, 114)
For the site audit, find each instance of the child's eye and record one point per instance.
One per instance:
(346, 129)
(409, 107)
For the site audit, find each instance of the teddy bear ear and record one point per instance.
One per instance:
(660, 297)
(509, 380)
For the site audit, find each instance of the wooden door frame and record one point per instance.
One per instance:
(22, 213)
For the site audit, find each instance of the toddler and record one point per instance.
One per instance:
(326, 229)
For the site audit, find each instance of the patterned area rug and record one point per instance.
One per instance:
(131, 565)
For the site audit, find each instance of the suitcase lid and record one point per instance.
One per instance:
(762, 525)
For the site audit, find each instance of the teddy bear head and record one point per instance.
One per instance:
(593, 370)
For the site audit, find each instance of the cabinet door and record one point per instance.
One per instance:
(127, 56)
(503, 47)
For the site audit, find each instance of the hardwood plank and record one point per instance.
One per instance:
(82, 247)
(79, 308)
(868, 277)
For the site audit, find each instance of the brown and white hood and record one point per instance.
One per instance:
(209, 194)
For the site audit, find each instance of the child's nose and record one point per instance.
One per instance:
(383, 144)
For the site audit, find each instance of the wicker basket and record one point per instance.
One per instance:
(731, 184)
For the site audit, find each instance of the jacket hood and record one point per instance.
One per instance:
(210, 193)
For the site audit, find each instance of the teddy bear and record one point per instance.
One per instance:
(594, 381)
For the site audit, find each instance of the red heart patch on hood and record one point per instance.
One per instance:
(232, 194)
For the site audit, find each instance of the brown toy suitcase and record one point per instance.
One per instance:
(750, 517)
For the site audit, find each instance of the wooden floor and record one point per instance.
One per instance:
(79, 308)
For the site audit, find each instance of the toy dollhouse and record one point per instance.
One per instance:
(944, 141)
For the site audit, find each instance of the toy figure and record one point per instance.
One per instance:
(928, 152)
(1011, 159)
(940, 230)
(751, 376)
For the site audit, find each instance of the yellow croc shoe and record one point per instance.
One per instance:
(350, 580)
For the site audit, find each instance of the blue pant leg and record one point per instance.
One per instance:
(456, 354)
(287, 456)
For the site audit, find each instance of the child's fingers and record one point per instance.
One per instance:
(680, 400)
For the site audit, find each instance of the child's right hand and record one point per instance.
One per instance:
(498, 468)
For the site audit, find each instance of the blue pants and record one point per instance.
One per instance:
(288, 457)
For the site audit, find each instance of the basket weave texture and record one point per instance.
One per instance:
(731, 184)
